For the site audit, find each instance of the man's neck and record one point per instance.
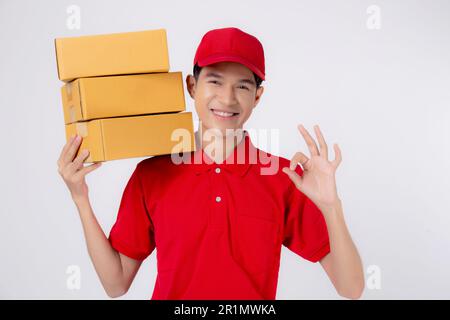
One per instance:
(216, 151)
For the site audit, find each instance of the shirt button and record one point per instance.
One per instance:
(217, 170)
(218, 199)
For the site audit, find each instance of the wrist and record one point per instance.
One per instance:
(331, 207)
(80, 201)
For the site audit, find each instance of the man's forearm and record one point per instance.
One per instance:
(346, 262)
(105, 258)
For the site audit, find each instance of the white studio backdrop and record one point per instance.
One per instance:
(375, 75)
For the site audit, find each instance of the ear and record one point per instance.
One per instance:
(190, 85)
(258, 95)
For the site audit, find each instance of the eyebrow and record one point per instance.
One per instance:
(217, 75)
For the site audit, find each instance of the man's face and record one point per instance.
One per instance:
(225, 95)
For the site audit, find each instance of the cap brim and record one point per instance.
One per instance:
(221, 58)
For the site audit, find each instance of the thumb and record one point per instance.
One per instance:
(296, 179)
(90, 167)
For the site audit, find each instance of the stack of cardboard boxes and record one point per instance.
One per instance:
(120, 96)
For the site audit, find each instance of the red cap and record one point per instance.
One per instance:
(231, 44)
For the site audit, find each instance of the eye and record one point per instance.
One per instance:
(244, 87)
(213, 81)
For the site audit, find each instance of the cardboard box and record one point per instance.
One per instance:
(112, 54)
(104, 97)
(136, 136)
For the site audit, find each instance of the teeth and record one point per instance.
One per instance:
(222, 113)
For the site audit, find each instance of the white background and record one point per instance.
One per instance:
(382, 94)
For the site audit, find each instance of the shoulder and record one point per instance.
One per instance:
(166, 167)
(155, 164)
(149, 163)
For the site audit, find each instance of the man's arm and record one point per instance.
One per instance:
(343, 264)
(317, 181)
(115, 270)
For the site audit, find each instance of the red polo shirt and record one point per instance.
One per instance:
(218, 228)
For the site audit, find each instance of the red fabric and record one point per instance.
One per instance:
(217, 250)
(231, 44)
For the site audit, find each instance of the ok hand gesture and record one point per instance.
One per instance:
(318, 179)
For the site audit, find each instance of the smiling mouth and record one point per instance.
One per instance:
(224, 114)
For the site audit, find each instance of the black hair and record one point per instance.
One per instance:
(197, 70)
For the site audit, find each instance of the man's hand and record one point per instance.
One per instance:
(72, 170)
(318, 180)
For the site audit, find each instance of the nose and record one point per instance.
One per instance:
(227, 96)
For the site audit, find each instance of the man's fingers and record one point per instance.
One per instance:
(337, 156)
(64, 150)
(301, 158)
(79, 160)
(73, 148)
(77, 164)
(322, 143)
(85, 170)
(296, 179)
(312, 146)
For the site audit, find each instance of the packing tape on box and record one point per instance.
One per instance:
(82, 129)
(72, 110)
(69, 91)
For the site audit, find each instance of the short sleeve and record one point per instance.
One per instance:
(132, 234)
(305, 230)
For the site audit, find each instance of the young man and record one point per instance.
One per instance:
(219, 221)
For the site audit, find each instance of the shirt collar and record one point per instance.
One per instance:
(238, 162)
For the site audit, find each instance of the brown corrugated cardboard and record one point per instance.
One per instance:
(104, 97)
(136, 136)
(112, 54)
